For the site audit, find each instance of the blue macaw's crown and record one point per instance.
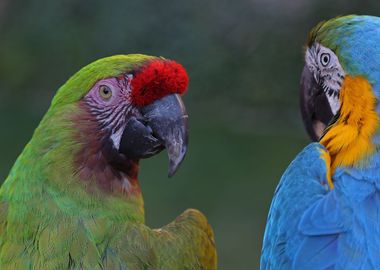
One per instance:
(355, 40)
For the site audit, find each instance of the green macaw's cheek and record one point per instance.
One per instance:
(315, 108)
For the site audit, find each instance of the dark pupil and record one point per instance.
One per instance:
(325, 59)
(106, 90)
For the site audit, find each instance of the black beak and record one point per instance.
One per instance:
(163, 125)
(315, 108)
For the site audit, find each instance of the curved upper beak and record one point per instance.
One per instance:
(168, 119)
(315, 108)
(164, 124)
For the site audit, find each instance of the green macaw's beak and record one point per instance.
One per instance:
(163, 125)
(315, 108)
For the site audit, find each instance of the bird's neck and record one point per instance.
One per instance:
(350, 140)
(96, 161)
(68, 161)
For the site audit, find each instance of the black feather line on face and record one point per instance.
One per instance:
(110, 118)
(331, 123)
(328, 90)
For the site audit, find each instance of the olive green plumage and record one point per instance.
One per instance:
(51, 219)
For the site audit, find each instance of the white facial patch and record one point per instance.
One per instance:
(334, 103)
(327, 71)
(111, 111)
(116, 137)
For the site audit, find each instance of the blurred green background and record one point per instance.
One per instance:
(244, 59)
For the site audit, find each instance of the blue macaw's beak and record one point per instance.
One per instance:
(315, 108)
(164, 124)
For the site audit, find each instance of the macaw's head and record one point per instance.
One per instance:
(340, 83)
(119, 110)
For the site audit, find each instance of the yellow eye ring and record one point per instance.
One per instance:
(105, 92)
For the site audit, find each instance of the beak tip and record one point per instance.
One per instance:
(172, 169)
(171, 173)
(175, 161)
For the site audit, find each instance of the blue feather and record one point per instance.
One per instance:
(310, 227)
(303, 183)
(318, 252)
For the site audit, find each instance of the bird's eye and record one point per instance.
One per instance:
(105, 92)
(325, 59)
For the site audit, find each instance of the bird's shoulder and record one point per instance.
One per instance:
(191, 235)
(303, 183)
(185, 243)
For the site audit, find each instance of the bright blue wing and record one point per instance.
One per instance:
(303, 184)
(312, 227)
(341, 231)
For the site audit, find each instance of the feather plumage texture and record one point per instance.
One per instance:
(312, 227)
(349, 139)
(303, 183)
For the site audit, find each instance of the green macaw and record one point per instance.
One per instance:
(72, 199)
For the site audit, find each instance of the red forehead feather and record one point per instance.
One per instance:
(157, 79)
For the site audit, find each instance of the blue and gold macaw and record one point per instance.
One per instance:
(325, 213)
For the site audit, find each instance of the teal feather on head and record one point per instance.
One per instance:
(355, 39)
